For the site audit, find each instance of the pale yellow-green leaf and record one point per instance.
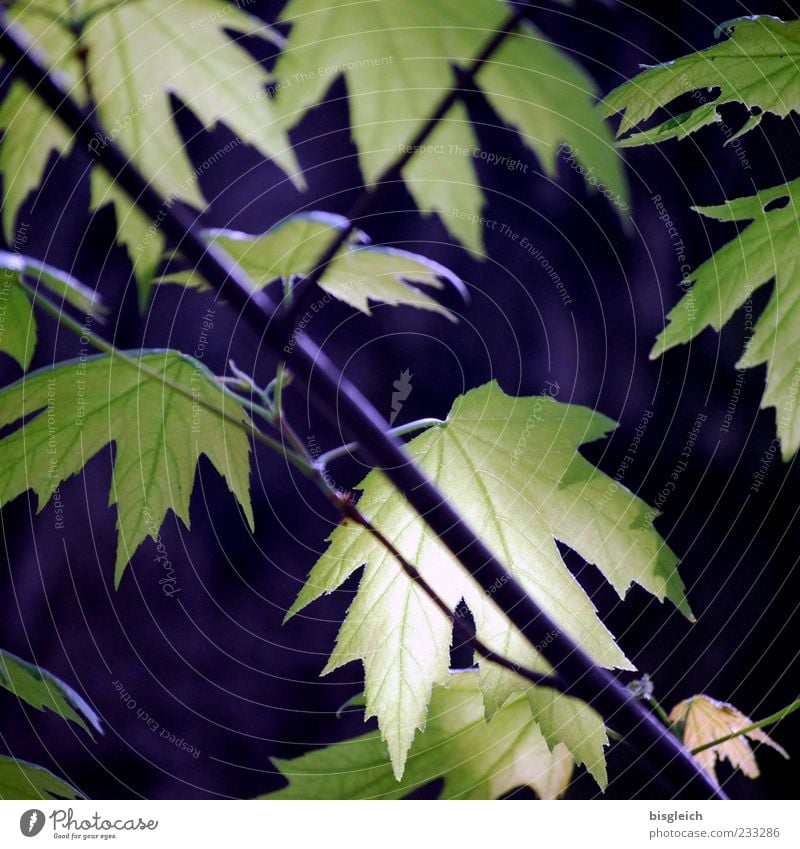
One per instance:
(358, 275)
(475, 758)
(511, 467)
(397, 59)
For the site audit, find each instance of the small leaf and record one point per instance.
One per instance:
(358, 274)
(75, 409)
(702, 719)
(22, 780)
(43, 690)
(756, 66)
(477, 759)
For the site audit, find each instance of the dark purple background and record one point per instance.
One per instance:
(214, 664)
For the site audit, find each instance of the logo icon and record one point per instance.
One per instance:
(31, 822)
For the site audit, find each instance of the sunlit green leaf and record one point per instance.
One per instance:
(77, 408)
(511, 467)
(397, 60)
(477, 759)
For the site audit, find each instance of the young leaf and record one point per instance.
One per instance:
(478, 759)
(358, 274)
(512, 469)
(43, 690)
(756, 66)
(17, 321)
(21, 780)
(702, 719)
(767, 248)
(75, 409)
(138, 53)
(397, 60)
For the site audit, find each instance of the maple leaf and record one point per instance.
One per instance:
(75, 409)
(138, 53)
(766, 249)
(43, 690)
(476, 758)
(702, 719)
(358, 274)
(512, 469)
(756, 66)
(397, 59)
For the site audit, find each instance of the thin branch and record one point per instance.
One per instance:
(344, 450)
(344, 405)
(770, 720)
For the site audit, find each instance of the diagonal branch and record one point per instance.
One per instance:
(339, 399)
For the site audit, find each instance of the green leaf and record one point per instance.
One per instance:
(138, 52)
(574, 724)
(358, 274)
(43, 690)
(22, 780)
(477, 759)
(397, 60)
(766, 249)
(30, 132)
(75, 409)
(512, 469)
(17, 321)
(756, 66)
